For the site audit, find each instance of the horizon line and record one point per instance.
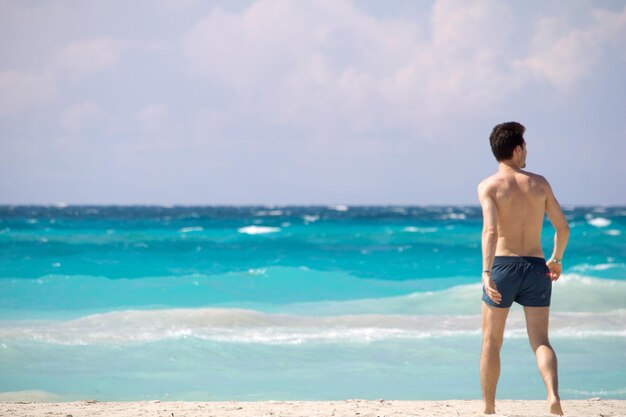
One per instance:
(271, 205)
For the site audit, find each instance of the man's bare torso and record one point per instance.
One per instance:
(520, 199)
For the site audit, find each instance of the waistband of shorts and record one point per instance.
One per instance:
(499, 260)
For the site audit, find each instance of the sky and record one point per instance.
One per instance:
(274, 102)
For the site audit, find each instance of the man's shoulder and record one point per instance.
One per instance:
(488, 185)
(488, 182)
(539, 178)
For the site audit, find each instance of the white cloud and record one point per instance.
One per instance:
(563, 55)
(461, 68)
(160, 133)
(79, 116)
(153, 117)
(309, 61)
(89, 56)
(21, 90)
(327, 63)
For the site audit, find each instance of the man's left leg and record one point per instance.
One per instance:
(494, 319)
(537, 328)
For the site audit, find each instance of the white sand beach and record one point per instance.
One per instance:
(353, 407)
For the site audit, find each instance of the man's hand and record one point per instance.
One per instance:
(490, 288)
(555, 269)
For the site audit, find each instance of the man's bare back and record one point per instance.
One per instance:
(515, 203)
(520, 199)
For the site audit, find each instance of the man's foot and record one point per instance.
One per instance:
(555, 406)
(489, 410)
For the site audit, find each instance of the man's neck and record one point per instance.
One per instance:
(508, 166)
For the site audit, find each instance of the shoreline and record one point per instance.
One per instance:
(354, 407)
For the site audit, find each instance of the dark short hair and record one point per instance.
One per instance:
(504, 138)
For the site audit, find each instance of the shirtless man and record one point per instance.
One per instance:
(514, 268)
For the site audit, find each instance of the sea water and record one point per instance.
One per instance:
(285, 303)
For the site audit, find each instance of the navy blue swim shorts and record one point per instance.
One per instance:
(523, 279)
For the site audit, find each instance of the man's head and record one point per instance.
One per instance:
(508, 144)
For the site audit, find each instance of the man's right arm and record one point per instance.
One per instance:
(561, 236)
(489, 240)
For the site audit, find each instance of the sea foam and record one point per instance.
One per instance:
(248, 326)
(599, 221)
(258, 230)
(191, 229)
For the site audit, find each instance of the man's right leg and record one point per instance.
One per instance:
(494, 319)
(537, 327)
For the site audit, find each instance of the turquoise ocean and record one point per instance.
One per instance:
(289, 303)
